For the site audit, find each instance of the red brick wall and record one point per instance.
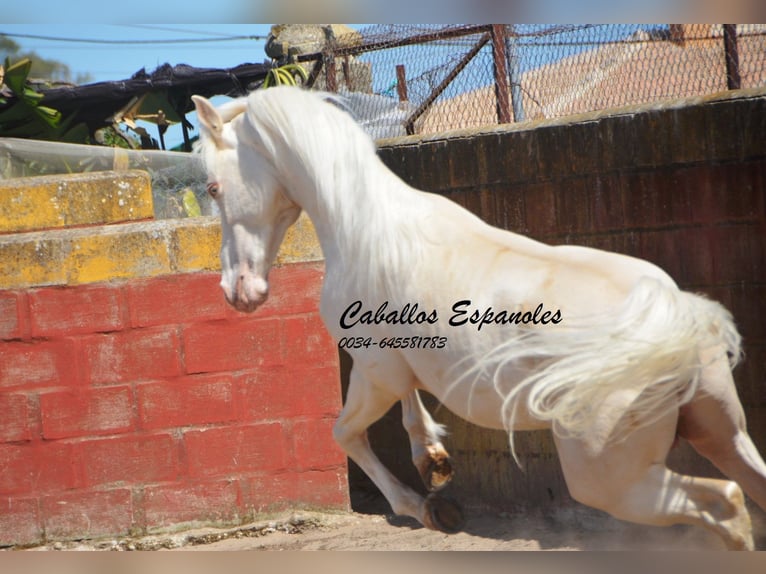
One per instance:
(138, 406)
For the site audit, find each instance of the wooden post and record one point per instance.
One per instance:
(347, 73)
(401, 83)
(733, 79)
(501, 73)
(314, 73)
(330, 73)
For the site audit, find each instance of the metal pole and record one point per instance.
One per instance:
(401, 83)
(329, 66)
(514, 73)
(501, 73)
(733, 79)
(436, 92)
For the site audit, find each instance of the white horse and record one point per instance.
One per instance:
(505, 331)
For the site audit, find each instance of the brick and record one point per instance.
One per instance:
(749, 377)
(313, 444)
(289, 391)
(300, 243)
(117, 252)
(306, 340)
(20, 523)
(753, 127)
(232, 451)
(85, 412)
(738, 253)
(73, 310)
(293, 289)
(135, 355)
(194, 245)
(194, 400)
(608, 207)
(663, 249)
(641, 200)
(725, 128)
(32, 259)
(741, 191)
(33, 468)
(585, 146)
(10, 324)
(573, 207)
(747, 302)
(208, 503)
(130, 459)
(484, 159)
(323, 489)
(175, 299)
(15, 423)
(540, 209)
(232, 345)
(434, 157)
(38, 364)
(269, 492)
(518, 157)
(462, 163)
(61, 200)
(690, 130)
(88, 514)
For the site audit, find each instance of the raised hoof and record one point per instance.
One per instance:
(444, 514)
(438, 473)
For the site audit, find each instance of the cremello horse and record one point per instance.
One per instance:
(507, 332)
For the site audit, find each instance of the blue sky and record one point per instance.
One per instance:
(209, 46)
(107, 62)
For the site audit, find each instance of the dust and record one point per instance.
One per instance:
(569, 529)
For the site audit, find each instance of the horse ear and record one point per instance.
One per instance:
(209, 118)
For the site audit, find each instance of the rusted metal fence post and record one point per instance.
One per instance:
(500, 69)
(330, 72)
(401, 83)
(733, 78)
(436, 92)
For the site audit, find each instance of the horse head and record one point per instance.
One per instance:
(255, 210)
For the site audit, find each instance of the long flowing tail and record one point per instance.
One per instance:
(651, 348)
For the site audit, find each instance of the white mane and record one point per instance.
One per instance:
(334, 173)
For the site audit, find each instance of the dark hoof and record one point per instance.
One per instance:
(445, 514)
(438, 473)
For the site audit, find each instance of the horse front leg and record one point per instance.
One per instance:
(367, 402)
(428, 453)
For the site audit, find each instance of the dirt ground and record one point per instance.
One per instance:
(568, 529)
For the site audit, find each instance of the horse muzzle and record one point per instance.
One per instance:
(248, 293)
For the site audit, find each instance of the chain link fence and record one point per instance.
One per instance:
(426, 79)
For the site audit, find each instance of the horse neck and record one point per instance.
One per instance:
(360, 211)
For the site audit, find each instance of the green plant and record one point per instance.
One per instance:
(24, 117)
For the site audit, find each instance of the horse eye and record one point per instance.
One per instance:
(213, 190)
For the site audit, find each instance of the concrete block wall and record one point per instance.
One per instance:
(133, 399)
(680, 183)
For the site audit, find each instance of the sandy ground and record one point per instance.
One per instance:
(569, 529)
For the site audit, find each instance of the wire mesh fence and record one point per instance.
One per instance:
(426, 79)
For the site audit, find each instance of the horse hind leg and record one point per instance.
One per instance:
(714, 424)
(428, 453)
(630, 481)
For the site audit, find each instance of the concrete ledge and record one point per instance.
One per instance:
(130, 250)
(71, 200)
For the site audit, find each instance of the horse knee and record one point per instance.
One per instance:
(346, 437)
